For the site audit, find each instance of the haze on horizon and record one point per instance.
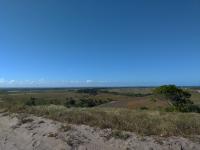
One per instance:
(63, 43)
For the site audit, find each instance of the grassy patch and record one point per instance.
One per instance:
(141, 122)
(78, 107)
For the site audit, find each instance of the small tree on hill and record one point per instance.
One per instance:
(176, 95)
(179, 98)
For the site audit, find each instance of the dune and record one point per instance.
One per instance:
(26, 132)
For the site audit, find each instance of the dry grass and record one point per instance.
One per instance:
(141, 122)
(195, 97)
(146, 122)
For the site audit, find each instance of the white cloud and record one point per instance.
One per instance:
(89, 81)
(50, 83)
(11, 81)
(2, 80)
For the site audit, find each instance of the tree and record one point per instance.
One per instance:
(176, 95)
(179, 98)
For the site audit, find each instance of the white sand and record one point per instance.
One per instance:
(44, 134)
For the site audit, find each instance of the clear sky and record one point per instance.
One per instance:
(99, 42)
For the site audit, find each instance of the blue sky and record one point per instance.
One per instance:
(99, 42)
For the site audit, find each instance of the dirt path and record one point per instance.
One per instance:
(35, 133)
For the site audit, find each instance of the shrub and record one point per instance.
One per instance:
(91, 91)
(180, 99)
(175, 95)
(143, 108)
(189, 108)
(31, 102)
(69, 102)
(83, 102)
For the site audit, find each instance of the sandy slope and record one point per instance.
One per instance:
(35, 133)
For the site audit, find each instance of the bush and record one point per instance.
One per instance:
(69, 102)
(174, 94)
(180, 99)
(88, 91)
(83, 102)
(143, 108)
(39, 101)
(189, 108)
(31, 102)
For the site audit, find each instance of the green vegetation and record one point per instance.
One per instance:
(33, 101)
(91, 91)
(69, 102)
(83, 102)
(157, 113)
(179, 99)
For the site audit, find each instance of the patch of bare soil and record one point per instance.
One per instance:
(23, 132)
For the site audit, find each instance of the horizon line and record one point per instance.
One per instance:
(68, 87)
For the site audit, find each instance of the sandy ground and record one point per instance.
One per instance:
(22, 132)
